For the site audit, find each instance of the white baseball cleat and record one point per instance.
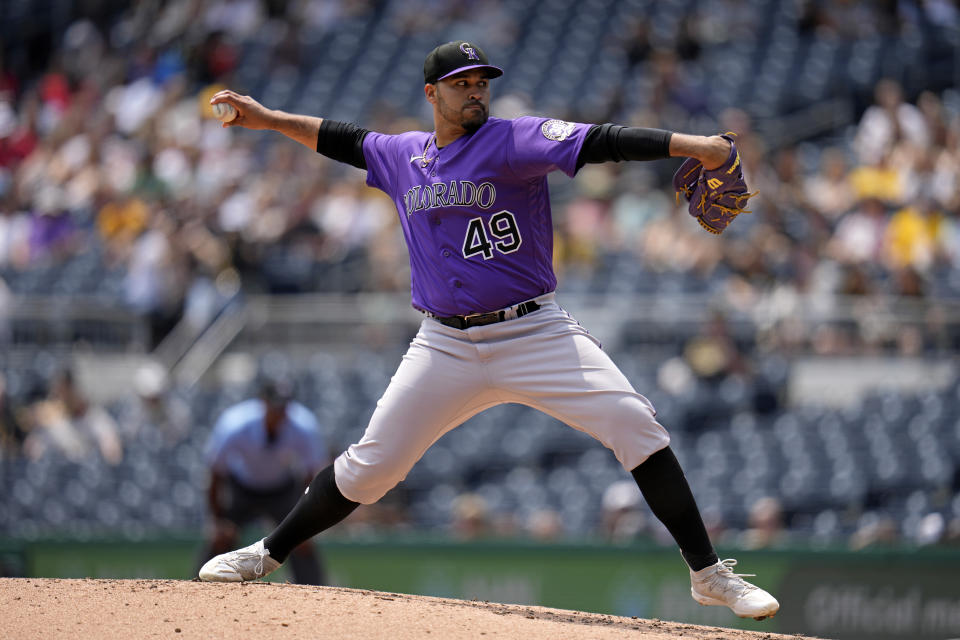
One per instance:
(719, 586)
(248, 563)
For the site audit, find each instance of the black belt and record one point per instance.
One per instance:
(481, 319)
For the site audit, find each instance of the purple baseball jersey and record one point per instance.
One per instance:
(476, 213)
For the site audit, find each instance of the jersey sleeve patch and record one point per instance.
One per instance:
(556, 130)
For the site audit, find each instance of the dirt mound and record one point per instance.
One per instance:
(114, 609)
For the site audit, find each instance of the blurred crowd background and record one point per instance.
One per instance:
(118, 189)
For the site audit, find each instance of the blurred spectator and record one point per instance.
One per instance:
(935, 117)
(155, 280)
(879, 179)
(155, 414)
(674, 92)
(908, 283)
(931, 529)
(874, 530)
(713, 355)
(120, 222)
(238, 18)
(18, 135)
(53, 231)
(14, 230)
(471, 517)
(829, 190)
(889, 121)
(688, 40)
(9, 84)
(262, 453)
(637, 42)
(68, 423)
(544, 525)
(765, 525)
(912, 235)
(6, 310)
(859, 236)
(927, 178)
(623, 519)
(952, 535)
(13, 431)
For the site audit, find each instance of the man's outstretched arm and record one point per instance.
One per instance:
(337, 140)
(253, 115)
(714, 197)
(610, 142)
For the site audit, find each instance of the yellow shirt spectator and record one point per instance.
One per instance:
(878, 181)
(122, 220)
(911, 236)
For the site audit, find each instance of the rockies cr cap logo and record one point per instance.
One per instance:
(455, 57)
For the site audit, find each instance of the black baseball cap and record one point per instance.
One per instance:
(454, 57)
(276, 392)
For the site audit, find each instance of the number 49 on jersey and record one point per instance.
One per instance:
(499, 233)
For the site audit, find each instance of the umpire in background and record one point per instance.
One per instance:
(262, 453)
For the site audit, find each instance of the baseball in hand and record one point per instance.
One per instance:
(224, 111)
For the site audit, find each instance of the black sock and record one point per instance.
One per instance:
(665, 489)
(317, 510)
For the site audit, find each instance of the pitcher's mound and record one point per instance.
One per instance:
(175, 609)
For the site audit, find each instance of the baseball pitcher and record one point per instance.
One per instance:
(475, 211)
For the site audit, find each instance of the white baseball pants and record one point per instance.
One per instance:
(545, 360)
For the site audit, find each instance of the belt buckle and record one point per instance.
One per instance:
(468, 318)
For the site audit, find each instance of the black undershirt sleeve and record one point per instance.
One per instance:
(342, 141)
(614, 143)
